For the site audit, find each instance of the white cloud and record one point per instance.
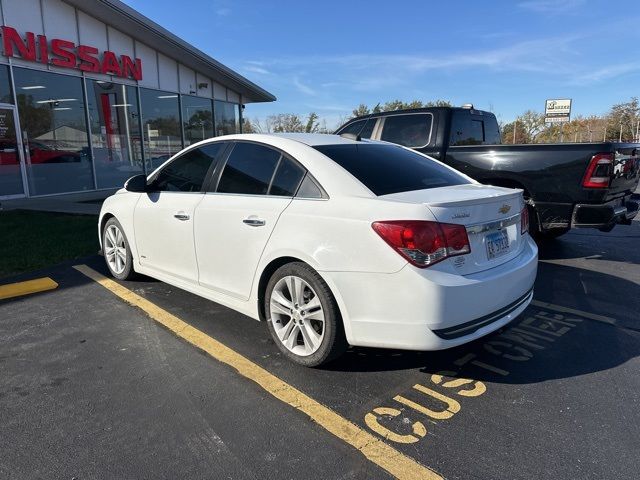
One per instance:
(256, 69)
(307, 90)
(605, 73)
(374, 70)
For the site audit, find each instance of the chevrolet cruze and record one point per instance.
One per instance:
(332, 240)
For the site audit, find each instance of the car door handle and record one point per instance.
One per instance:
(181, 216)
(254, 222)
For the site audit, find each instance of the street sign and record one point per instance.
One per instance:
(557, 110)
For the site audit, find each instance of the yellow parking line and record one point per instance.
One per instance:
(25, 288)
(560, 308)
(374, 449)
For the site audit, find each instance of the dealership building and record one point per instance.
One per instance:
(92, 92)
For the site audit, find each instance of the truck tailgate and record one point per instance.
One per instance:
(625, 173)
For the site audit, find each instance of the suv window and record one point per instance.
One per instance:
(469, 129)
(368, 128)
(187, 172)
(354, 127)
(411, 130)
(249, 169)
(386, 169)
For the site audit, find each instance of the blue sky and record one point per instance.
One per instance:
(505, 56)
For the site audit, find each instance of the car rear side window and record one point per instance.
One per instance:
(287, 178)
(409, 130)
(249, 169)
(188, 172)
(386, 169)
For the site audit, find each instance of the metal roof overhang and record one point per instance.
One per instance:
(126, 19)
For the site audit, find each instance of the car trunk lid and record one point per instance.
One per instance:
(491, 216)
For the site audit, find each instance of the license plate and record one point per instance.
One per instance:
(497, 244)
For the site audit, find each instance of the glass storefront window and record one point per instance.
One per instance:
(10, 173)
(197, 119)
(115, 132)
(5, 85)
(54, 132)
(227, 117)
(160, 126)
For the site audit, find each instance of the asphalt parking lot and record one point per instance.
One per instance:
(93, 387)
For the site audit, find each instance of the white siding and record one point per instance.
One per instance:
(208, 90)
(121, 44)
(92, 32)
(168, 73)
(149, 65)
(233, 96)
(219, 92)
(59, 21)
(57, 17)
(187, 80)
(23, 15)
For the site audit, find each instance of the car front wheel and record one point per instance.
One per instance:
(116, 250)
(303, 316)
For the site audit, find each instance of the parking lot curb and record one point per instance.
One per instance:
(28, 287)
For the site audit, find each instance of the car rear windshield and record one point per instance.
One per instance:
(386, 169)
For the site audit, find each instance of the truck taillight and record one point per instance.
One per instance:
(424, 243)
(524, 220)
(598, 171)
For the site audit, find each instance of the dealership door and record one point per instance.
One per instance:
(11, 159)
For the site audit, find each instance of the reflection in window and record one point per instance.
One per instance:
(197, 119)
(409, 130)
(10, 174)
(5, 85)
(115, 132)
(54, 131)
(160, 126)
(187, 172)
(227, 118)
(287, 178)
(249, 169)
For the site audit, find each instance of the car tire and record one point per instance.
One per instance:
(305, 325)
(119, 259)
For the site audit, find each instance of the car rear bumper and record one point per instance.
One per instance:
(422, 309)
(605, 216)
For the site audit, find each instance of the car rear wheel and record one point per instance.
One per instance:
(303, 316)
(116, 250)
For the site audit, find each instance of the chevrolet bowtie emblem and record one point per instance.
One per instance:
(504, 208)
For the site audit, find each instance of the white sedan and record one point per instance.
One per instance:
(333, 241)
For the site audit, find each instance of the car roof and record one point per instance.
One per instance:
(316, 139)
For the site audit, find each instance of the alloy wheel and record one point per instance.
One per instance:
(297, 315)
(115, 249)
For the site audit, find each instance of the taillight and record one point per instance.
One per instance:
(424, 243)
(598, 171)
(524, 220)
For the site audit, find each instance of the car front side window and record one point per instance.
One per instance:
(188, 172)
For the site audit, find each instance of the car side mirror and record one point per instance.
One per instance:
(137, 183)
